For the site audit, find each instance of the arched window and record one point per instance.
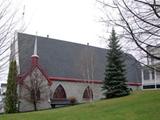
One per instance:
(88, 94)
(59, 92)
(32, 94)
(38, 95)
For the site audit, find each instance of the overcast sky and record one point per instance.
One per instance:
(70, 20)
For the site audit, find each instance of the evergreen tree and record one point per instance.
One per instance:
(115, 80)
(11, 92)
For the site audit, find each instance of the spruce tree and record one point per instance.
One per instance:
(11, 92)
(115, 80)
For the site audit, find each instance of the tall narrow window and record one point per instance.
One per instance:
(59, 92)
(35, 95)
(153, 74)
(32, 94)
(38, 95)
(146, 73)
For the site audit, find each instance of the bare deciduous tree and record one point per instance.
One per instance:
(10, 21)
(139, 20)
(87, 67)
(35, 89)
(87, 60)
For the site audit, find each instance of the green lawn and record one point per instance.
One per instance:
(138, 106)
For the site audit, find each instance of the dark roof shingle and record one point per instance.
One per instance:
(67, 59)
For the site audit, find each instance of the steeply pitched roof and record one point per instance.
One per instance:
(66, 59)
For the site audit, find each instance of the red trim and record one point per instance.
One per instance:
(87, 81)
(75, 80)
(134, 83)
(33, 66)
(45, 75)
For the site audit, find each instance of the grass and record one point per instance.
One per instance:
(142, 105)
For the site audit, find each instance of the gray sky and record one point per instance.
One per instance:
(70, 20)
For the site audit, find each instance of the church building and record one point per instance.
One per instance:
(55, 69)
